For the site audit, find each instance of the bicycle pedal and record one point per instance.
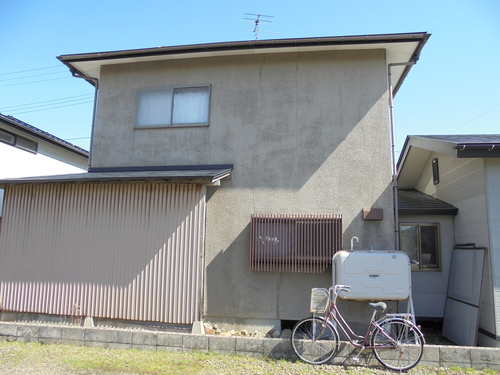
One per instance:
(356, 360)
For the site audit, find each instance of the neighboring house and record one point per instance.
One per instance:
(449, 207)
(223, 178)
(27, 151)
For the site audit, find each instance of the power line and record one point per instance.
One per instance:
(475, 118)
(46, 102)
(46, 109)
(31, 70)
(35, 75)
(75, 139)
(43, 80)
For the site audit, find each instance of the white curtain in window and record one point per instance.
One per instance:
(154, 107)
(190, 105)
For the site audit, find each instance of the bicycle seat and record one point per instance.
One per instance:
(379, 306)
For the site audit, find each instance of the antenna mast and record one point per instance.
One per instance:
(257, 18)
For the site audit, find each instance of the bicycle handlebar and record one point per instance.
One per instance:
(342, 288)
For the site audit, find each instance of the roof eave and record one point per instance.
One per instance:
(253, 45)
(85, 65)
(40, 134)
(424, 212)
(207, 175)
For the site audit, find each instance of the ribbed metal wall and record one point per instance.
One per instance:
(118, 250)
(294, 243)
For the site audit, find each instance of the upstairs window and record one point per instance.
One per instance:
(173, 106)
(421, 243)
(19, 142)
(294, 243)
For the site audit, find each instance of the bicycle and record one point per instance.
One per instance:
(396, 341)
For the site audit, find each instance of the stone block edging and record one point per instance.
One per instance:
(117, 338)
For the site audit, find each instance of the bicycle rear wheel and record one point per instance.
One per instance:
(398, 344)
(314, 340)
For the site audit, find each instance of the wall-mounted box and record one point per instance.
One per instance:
(373, 214)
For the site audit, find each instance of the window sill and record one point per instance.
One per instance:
(426, 269)
(144, 127)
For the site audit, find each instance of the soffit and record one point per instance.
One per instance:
(417, 149)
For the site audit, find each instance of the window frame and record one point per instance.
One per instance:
(171, 90)
(19, 142)
(420, 266)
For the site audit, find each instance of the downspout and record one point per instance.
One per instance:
(393, 148)
(95, 82)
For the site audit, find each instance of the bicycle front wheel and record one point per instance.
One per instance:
(398, 344)
(314, 340)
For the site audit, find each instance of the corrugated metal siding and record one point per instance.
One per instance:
(121, 251)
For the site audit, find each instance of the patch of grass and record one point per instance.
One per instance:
(463, 370)
(139, 362)
(79, 360)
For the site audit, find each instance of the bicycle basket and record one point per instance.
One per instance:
(319, 300)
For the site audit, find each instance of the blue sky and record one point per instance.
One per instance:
(454, 88)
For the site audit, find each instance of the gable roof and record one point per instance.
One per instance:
(417, 149)
(23, 127)
(404, 47)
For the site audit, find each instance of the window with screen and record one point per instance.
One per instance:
(294, 243)
(421, 243)
(173, 106)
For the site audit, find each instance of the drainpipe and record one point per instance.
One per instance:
(95, 81)
(393, 147)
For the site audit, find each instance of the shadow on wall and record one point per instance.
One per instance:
(233, 290)
(278, 118)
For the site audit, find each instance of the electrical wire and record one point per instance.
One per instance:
(75, 139)
(31, 70)
(46, 102)
(43, 80)
(475, 118)
(35, 75)
(47, 109)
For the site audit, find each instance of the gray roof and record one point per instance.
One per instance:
(460, 146)
(40, 134)
(468, 139)
(414, 202)
(400, 47)
(208, 174)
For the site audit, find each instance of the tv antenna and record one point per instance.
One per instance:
(257, 19)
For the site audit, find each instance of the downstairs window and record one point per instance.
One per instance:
(294, 243)
(421, 243)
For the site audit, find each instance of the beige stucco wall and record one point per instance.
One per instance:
(306, 132)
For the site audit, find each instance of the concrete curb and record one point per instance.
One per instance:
(114, 338)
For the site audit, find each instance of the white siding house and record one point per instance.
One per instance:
(458, 177)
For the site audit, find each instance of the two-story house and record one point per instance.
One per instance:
(222, 179)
